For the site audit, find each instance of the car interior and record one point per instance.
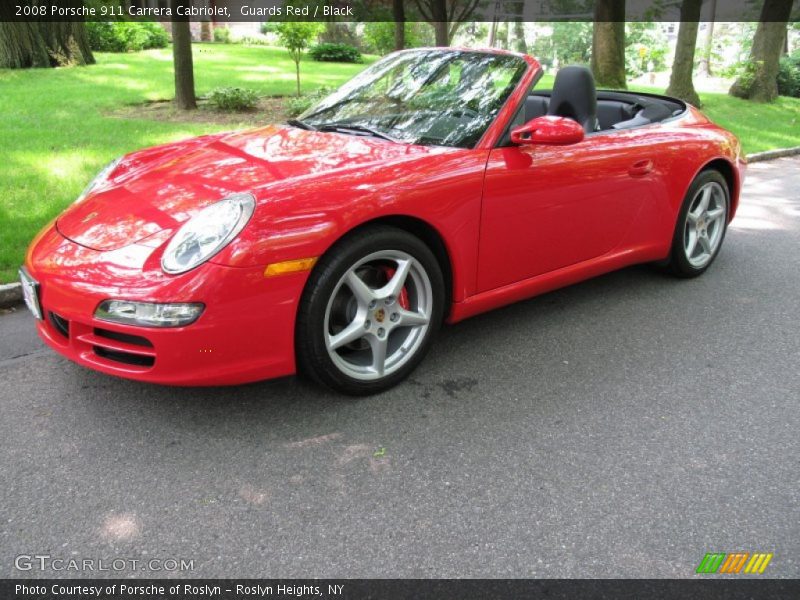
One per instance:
(574, 96)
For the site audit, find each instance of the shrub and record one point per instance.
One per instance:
(233, 98)
(126, 36)
(335, 53)
(222, 35)
(745, 74)
(252, 40)
(298, 105)
(789, 75)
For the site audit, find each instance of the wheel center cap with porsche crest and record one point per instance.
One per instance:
(380, 315)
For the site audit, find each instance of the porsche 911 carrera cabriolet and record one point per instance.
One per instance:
(437, 184)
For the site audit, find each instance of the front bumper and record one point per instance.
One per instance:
(246, 332)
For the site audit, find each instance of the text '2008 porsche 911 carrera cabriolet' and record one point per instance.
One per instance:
(437, 184)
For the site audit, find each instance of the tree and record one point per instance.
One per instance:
(182, 63)
(759, 80)
(42, 44)
(502, 35)
(338, 32)
(645, 43)
(570, 43)
(296, 37)
(608, 43)
(519, 37)
(399, 14)
(446, 16)
(680, 80)
(492, 34)
(705, 58)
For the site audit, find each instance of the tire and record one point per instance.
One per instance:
(690, 255)
(378, 292)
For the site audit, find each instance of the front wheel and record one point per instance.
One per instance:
(370, 311)
(702, 223)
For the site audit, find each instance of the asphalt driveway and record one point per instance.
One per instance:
(622, 427)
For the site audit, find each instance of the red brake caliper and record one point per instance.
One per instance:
(402, 300)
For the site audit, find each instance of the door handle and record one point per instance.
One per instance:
(641, 168)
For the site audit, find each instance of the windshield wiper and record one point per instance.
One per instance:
(345, 127)
(301, 124)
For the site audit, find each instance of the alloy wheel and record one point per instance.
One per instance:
(378, 314)
(705, 224)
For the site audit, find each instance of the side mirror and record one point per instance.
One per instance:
(555, 131)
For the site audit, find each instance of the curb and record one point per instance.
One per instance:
(10, 294)
(772, 154)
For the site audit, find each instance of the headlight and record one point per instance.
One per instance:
(99, 178)
(208, 232)
(149, 314)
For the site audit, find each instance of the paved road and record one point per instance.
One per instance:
(622, 427)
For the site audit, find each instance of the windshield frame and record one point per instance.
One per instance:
(521, 76)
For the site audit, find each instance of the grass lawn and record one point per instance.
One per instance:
(60, 126)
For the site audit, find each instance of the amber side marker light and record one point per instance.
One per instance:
(289, 266)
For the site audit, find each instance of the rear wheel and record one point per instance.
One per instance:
(701, 226)
(370, 311)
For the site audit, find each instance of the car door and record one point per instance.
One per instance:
(549, 207)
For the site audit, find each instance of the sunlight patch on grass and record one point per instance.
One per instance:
(258, 69)
(61, 166)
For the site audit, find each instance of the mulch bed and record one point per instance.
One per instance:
(268, 110)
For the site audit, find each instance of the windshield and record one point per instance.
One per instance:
(445, 98)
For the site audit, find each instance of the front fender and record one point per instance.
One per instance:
(304, 218)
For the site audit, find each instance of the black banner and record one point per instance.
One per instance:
(391, 589)
(226, 11)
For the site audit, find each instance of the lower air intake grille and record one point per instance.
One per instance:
(60, 324)
(136, 340)
(125, 357)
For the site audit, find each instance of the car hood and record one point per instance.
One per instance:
(160, 188)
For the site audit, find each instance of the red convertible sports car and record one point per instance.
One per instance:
(437, 184)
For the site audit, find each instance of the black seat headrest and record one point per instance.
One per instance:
(574, 96)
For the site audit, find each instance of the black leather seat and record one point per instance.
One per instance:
(574, 96)
(611, 112)
(535, 106)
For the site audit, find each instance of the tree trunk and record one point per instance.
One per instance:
(501, 37)
(440, 32)
(445, 16)
(21, 45)
(184, 69)
(759, 82)
(42, 44)
(520, 45)
(67, 42)
(519, 37)
(399, 15)
(297, 72)
(704, 67)
(608, 44)
(492, 34)
(680, 80)
(438, 11)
